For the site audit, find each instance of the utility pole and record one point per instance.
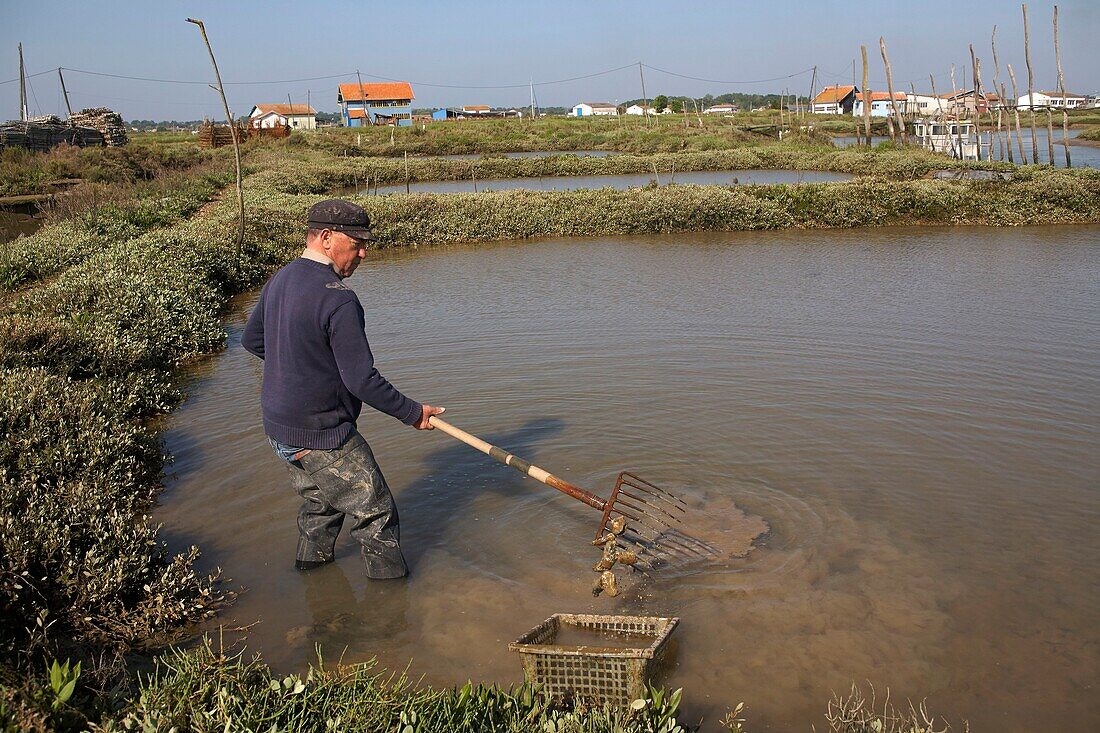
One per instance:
(22, 88)
(809, 100)
(64, 91)
(645, 99)
(532, 82)
(1062, 88)
(363, 99)
(233, 131)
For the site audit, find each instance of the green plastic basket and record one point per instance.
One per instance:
(592, 673)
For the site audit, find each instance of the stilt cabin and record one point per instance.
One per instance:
(385, 103)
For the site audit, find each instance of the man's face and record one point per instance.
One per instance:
(344, 251)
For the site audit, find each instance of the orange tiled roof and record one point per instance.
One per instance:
(287, 109)
(833, 94)
(387, 90)
(882, 96)
(476, 108)
(356, 114)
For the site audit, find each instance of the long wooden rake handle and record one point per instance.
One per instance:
(527, 469)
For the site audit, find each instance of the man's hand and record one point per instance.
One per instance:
(428, 411)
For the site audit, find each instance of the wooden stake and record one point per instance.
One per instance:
(236, 143)
(1008, 142)
(955, 112)
(866, 99)
(1016, 113)
(977, 113)
(890, 89)
(645, 99)
(1062, 89)
(943, 116)
(1030, 88)
(998, 88)
(64, 91)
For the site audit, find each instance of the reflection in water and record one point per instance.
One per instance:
(913, 412)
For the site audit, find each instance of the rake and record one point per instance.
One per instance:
(653, 517)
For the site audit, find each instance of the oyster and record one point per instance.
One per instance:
(618, 524)
(609, 537)
(607, 582)
(626, 557)
(610, 555)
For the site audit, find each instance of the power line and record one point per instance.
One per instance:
(727, 81)
(205, 82)
(28, 76)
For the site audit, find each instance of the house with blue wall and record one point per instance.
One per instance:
(376, 103)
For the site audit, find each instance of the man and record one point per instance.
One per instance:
(308, 327)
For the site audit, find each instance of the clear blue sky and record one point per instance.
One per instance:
(507, 43)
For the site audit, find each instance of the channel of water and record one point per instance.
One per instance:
(914, 411)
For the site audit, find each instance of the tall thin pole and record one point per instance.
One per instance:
(866, 97)
(64, 91)
(1062, 89)
(645, 99)
(977, 113)
(23, 115)
(1030, 88)
(890, 88)
(1016, 114)
(233, 132)
(363, 101)
(532, 80)
(813, 88)
(998, 88)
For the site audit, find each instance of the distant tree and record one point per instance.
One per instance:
(660, 102)
(677, 105)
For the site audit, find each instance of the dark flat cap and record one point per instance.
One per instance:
(340, 216)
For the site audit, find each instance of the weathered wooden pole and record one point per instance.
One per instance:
(998, 88)
(1062, 89)
(23, 112)
(1030, 87)
(943, 116)
(1008, 142)
(233, 132)
(890, 89)
(955, 112)
(645, 99)
(866, 99)
(809, 99)
(64, 91)
(977, 111)
(1016, 114)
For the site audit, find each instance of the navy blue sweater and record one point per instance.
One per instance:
(308, 327)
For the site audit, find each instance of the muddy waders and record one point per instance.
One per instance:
(347, 481)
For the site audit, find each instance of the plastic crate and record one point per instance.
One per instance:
(593, 673)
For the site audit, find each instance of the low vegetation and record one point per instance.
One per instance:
(103, 304)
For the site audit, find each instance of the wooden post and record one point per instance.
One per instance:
(1062, 89)
(866, 99)
(23, 113)
(998, 88)
(890, 89)
(809, 99)
(1016, 114)
(645, 99)
(1050, 135)
(656, 174)
(64, 91)
(955, 112)
(977, 77)
(362, 100)
(1030, 88)
(233, 132)
(1008, 142)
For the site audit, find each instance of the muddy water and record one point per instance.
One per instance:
(14, 225)
(1082, 156)
(914, 412)
(622, 181)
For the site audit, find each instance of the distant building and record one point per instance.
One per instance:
(589, 109)
(474, 110)
(1053, 100)
(880, 103)
(296, 116)
(376, 103)
(640, 110)
(722, 109)
(835, 100)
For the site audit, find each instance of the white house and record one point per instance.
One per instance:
(589, 109)
(722, 109)
(297, 116)
(639, 110)
(837, 99)
(880, 104)
(1053, 100)
(924, 104)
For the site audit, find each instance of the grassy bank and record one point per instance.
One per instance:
(1036, 195)
(315, 175)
